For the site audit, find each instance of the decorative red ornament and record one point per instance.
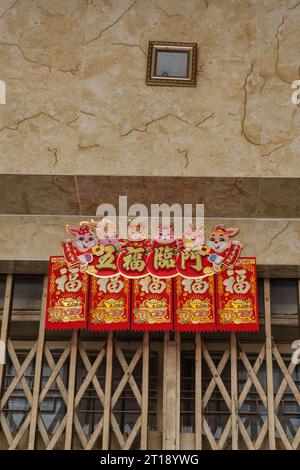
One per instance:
(213, 288)
(67, 298)
(194, 304)
(152, 304)
(236, 297)
(109, 303)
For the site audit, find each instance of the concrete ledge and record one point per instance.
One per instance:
(222, 196)
(274, 242)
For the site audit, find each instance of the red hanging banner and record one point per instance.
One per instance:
(67, 296)
(152, 304)
(214, 289)
(194, 304)
(236, 297)
(109, 303)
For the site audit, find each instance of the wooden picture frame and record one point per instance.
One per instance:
(172, 63)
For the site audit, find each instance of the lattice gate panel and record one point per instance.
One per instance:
(94, 394)
(53, 396)
(252, 399)
(287, 400)
(16, 399)
(216, 400)
(89, 397)
(129, 394)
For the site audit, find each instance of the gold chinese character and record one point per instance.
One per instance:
(242, 286)
(106, 261)
(163, 258)
(229, 283)
(115, 285)
(198, 286)
(191, 255)
(70, 283)
(61, 281)
(239, 285)
(152, 284)
(134, 261)
(74, 283)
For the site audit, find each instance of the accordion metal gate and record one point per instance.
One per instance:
(113, 393)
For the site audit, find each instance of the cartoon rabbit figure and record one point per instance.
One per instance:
(193, 239)
(136, 231)
(137, 235)
(84, 240)
(166, 234)
(224, 252)
(106, 232)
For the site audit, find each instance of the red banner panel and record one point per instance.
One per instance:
(109, 303)
(152, 304)
(236, 297)
(67, 296)
(194, 304)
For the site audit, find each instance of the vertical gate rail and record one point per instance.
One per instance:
(234, 392)
(198, 392)
(38, 370)
(145, 392)
(71, 391)
(108, 385)
(269, 363)
(171, 392)
(5, 322)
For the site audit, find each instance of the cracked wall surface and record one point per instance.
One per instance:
(77, 102)
(81, 127)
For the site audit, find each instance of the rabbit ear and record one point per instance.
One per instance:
(231, 231)
(71, 229)
(94, 224)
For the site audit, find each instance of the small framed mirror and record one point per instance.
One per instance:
(172, 63)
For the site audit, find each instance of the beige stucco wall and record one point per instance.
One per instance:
(77, 100)
(77, 104)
